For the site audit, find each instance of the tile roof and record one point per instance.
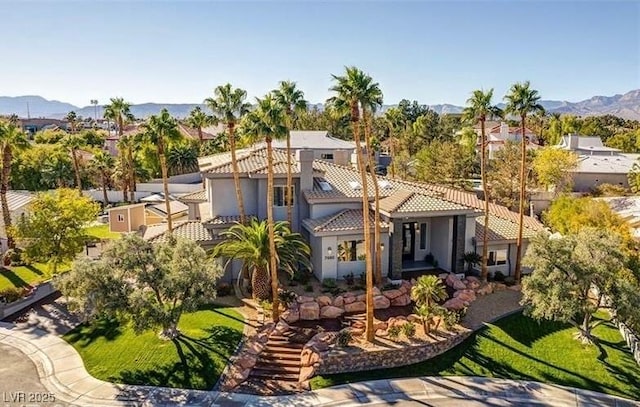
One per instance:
(193, 132)
(192, 230)
(161, 209)
(197, 196)
(252, 162)
(313, 139)
(501, 229)
(346, 220)
(18, 199)
(225, 220)
(405, 202)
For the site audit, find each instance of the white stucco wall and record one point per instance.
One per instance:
(469, 233)
(441, 241)
(222, 195)
(319, 210)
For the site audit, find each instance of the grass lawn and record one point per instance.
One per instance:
(194, 360)
(518, 347)
(22, 276)
(102, 232)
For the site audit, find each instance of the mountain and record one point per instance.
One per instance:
(626, 106)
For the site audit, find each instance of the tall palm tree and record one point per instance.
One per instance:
(479, 108)
(198, 119)
(126, 147)
(268, 121)
(11, 139)
(73, 143)
(522, 101)
(349, 89)
(229, 106)
(182, 158)
(292, 99)
(104, 164)
(119, 111)
(395, 122)
(250, 243)
(160, 130)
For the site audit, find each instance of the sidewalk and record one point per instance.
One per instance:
(62, 372)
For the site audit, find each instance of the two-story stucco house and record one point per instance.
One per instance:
(418, 221)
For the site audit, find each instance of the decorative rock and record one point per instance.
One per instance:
(485, 289)
(465, 295)
(381, 302)
(291, 315)
(309, 311)
(246, 360)
(413, 318)
(330, 311)
(281, 327)
(262, 337)
(357, 306)
(376, 291)
(306, 373)
(357, 331)
(401, 301)
(254, 348)
(358, 324)
(516, 287)
(454, 304)
(381, 332)
(362, 298)
(349, 300)
(381, 325)
(499, 287)
(472, 279)
(308, 357)
(391, 294)
(459, 285)
(473, 285)
(304, 299)
(443, 276)
(338, 301)
(323, 300)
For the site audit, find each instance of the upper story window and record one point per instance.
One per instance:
(327, 156)
(279, 195)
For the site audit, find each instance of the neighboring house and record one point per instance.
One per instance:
(131, 218)
(597, 164)
(324, 146)
(628, 208)
(18, 202)
(192, 133)
(33, 126)
(111, 142)
(498, 135)
(417, 219)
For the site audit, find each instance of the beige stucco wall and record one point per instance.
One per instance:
(134, 217)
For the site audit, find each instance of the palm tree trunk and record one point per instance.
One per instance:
(76, 169)
(523, 183)
(355, 122)
(200, 135)
(236, 174)
(105, 197)
(165, 184)
(7, 157)
(393, 155)
(289, 182)
(376, 197)
(132, 174)
(273, 264)
(483, 176)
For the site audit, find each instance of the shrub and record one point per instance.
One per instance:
(390, 286)
(408, 330)
(363, 279)
(450, 319)
(394, 332)
(343, 338)
(287, 297)
(13, 257)
(429, 258)
(266, 305)
(308, 288)
(329, 283)
(350, 279)
(301, 276)
(223, 289)
(12, 294)
(498, 276)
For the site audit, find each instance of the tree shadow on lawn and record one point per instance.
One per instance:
(34, 270)
(15, 279)
(526, 330)
(84, 334)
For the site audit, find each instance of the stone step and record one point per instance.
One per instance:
(285, 344)
(281, 348)
(278, 362)
(270, 374)
(284, 359)
(276, 368)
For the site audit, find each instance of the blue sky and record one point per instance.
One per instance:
(435, 52)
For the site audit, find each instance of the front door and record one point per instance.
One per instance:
(408, 241)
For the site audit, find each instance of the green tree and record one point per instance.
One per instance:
(161, 130)
(49, 136)
(228, 106)
(503, 173)
(182, 158)
(53, 228)
(628, 142)
(395, 124)
(479, 108)
(553, 168)
(571, 277)
(522, 101)
(41, 167)
(73, 142)
(444, 162)
(103, 163)
(199, 119)
(11, 139)
(250, 243)
(292, 100)
(149, 285)
(426, 294)
(634, 177)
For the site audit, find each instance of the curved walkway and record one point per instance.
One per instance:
(61, 371)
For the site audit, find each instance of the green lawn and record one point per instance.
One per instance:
(195, 360)
(102, 232)
(517, 347)
(22, 276)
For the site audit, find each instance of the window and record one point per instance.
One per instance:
(351, 250)
(279, 194)
(120, 218)
(328, 156)
(497, 258)
(423, 236)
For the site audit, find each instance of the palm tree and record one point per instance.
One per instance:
(198, 119)
(479, 108)
(395, 122)
(104, 164)
(268, 121)
(521, 101)
(126, 147)
(229, 107)
(119, 111)
(182, 158)
(251, 244)
(159, 130)
(292, 99)
(426, 293)
(74, 142)
(349, 90)
(11, 139)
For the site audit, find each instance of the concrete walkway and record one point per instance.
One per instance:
(61, 371)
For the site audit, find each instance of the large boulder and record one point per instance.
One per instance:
(414, 318)
(323, 300)
(381, 302)
(401, 301)
(309, 357)
(499, 286)
(455, 282)
(309, 311)
(304, 298)
(357, 306)
(306, 373)
(465, 295)
(472, 279)
(485, 289)
(291, 315)
(362, 298)
(246, 360)
(349, 300)
(391, 294)
(376, 291)
(454, 304)
(338, 301)
(329, 312)
(473, 284)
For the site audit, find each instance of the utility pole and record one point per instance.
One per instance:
(94, 102)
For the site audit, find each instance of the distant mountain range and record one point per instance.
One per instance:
(626, 106)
